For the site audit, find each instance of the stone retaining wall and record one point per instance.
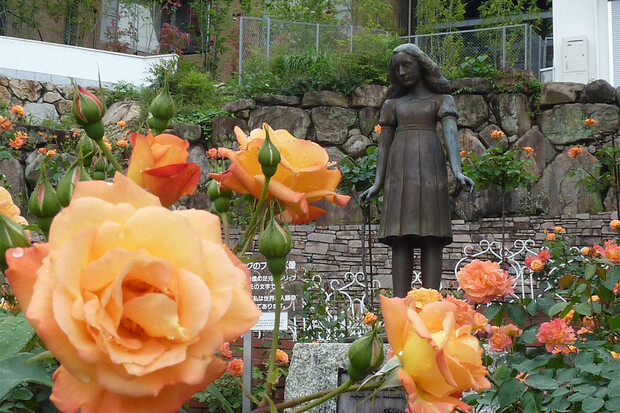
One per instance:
(344, 126)
(334, 250)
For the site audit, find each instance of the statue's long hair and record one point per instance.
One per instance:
(429, 72)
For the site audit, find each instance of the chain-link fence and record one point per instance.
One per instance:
(267, 38)
(508, 46)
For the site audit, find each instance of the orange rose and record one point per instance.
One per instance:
(484, 281)
(439, 361)
(551, 236)
(235, 367)
(159, 164)
(133, 299)
(281, 358)
(614, 224)
(303, 175)
(590, 122)
(575, 151)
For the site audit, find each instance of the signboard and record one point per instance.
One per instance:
(263, 287)
(392, 400)
(267, 321)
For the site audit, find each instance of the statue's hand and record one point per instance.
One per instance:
(465, 181)
(369, 193)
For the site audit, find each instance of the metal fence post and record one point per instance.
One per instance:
(268, 36)
(504, 46)
(317, 38)
(351, 37)
(240, 48)
(525, 57)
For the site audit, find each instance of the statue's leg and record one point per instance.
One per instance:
(402, 267)
(432, 259)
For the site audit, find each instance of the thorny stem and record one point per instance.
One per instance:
(248, 235)
(328, 396)
(272, 376)
(109, 155)
(303, 399)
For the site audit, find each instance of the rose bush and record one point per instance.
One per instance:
(159, 164)
(440, 357)
(134, 312)
(303, 176)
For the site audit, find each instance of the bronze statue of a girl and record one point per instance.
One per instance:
(411, 167)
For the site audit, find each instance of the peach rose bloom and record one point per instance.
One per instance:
(484, 281)
(133, 299)
(500, 341)
(304, 174)
(575, 152)
(439, 361)
(235, 367)
(159, 164)
(537, 265)
(556, 335)
(369, 319)
(614, 224)
(611, 251)
(9, 209)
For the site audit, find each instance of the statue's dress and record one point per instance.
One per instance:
(416, 204)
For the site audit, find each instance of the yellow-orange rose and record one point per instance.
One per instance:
(9, 209)
(303, 175)
(439, 360)
(133, 299)
(159, 164)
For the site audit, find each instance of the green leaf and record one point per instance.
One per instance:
(529, 403)
(613, 390)
(16, 333)
(583, 309)
(538, 381)
(545, 303)
(529, 335)
(516, 313)
(612, 277)
(492, 311)
(613, 404)
(558, 308)
(502, 373)
(592, 404)
(532, 308)
(589, 271)
(14, 370)
(215, 392)
(560, 392)
(510, 392)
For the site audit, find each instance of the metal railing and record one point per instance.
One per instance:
(267, 37)
(508, 46)
(346, 300)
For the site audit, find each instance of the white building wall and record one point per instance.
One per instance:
(57, 63)
(574, 19)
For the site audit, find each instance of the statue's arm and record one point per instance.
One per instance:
(454, 151)
(385, 142)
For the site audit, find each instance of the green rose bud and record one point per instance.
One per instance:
(268, 156)
(86, 149)
(12, 235)
(220, 196)
(157, 125)
(275, 244)
(66, 186)
(43, 203)
(163, 106)
(100, 164)
(87, 108)
(365, 356)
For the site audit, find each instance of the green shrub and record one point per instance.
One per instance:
(480, 66)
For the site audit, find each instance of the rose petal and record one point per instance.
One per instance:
(171, 182)
(141, 158)
(22, 270)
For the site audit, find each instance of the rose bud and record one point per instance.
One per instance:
(365, 356)
(268, 155)
(87, 111)
(12, 235)
(75, 174)
(43, 203)
(162, 110)
(86, 149)
(220, 196)
(275, 244)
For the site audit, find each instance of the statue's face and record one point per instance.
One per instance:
(407, 69)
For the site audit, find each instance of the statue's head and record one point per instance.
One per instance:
(419, 67)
